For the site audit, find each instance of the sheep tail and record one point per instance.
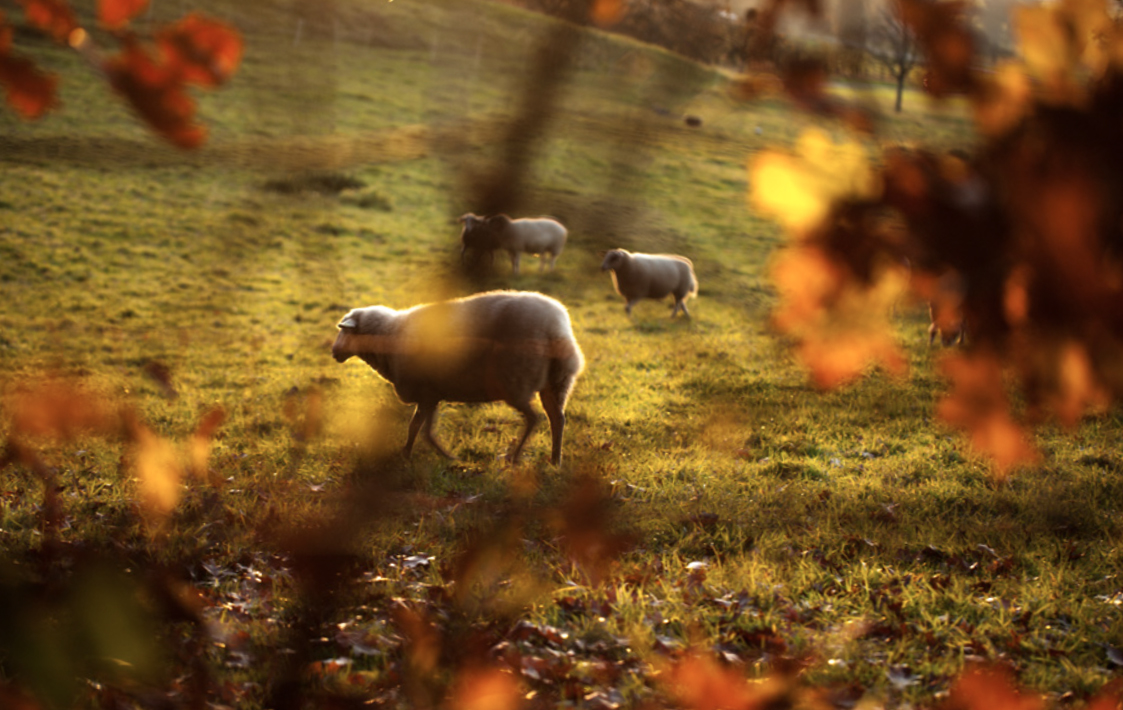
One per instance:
(566, 363)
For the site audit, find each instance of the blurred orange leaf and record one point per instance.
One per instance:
(485, 689)
(423, 641)
(988, 688)
(585, 523)
(842, 325)
(31, 91)
(799, 188)
(1077, 387)
(61, 410)
(1043, 40)
(1003, 99)
(52, 16)
(199, 449)
(949, 46)
(606, 13)
(839, 360)
(978, 404)
(699, 683)
(201, 50)
(1109, 696)
(156, 93)
(115, 14)
(159, 472)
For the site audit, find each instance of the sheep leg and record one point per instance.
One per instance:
(531, 418)
(421, 415)
(557, 422)
(432, 438)
(423, 420)
(680, 305)
(515, 263)
(628, 306)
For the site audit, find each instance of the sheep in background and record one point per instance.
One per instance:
(639, 276)
(499, 345)
(949, 327)
(945, 310)
(542, 236)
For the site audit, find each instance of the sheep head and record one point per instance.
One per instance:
(359, 329)
(477, 234)
(613, 259)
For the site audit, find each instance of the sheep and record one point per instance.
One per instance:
(638, 276)
(946, 310)
(541, 235)
(950, 328)
(494, 346)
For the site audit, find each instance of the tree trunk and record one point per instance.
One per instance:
(900, 90)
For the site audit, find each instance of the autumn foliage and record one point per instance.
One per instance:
(1019, 238)
(152, 74)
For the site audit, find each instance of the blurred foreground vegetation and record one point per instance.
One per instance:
(205, 510)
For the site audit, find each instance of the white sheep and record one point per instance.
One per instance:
(499, 345)
(541, 235)
(639, 276)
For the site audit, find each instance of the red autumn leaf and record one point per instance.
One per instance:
(31, 91)
(699, 683)
(204, 51)
(52, 16)
(115, 14)
(156, 93)
(988, 689)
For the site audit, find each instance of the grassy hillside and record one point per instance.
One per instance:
(845, 534)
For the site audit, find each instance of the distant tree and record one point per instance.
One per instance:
(891, 43)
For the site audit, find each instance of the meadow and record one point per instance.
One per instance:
(711, 503)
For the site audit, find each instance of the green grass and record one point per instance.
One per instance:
(847, 529)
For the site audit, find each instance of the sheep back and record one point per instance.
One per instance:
(540, 235)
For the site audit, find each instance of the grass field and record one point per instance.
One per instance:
(710, 499)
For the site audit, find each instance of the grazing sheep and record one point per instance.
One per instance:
(950, 328)
(542, 236)
(499, 345)
(945, 310)
(638, 276)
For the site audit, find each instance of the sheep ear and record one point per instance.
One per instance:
(349, 322)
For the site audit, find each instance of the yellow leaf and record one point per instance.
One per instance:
(159, 472)
(781, 189)
(799, 189)
(1004, 99)
(1042, 39)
